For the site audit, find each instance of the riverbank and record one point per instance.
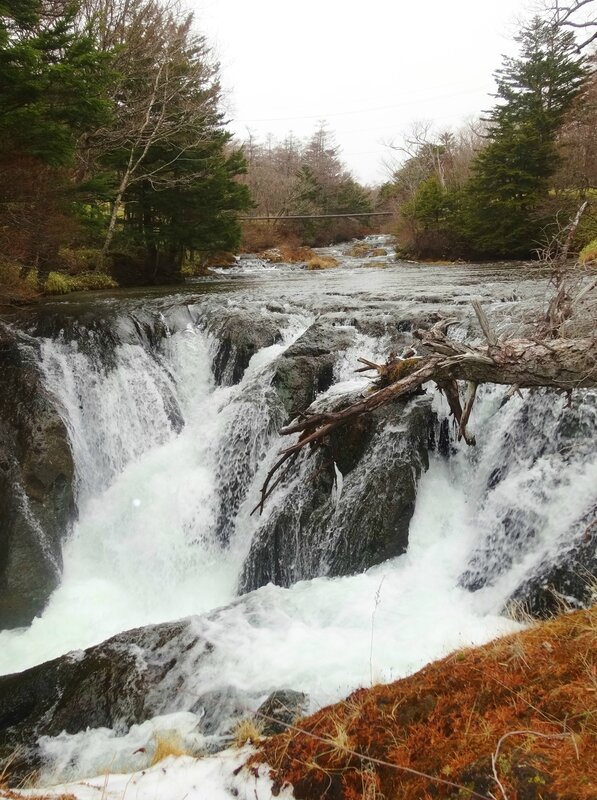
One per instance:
(172, 400)
(514, 718)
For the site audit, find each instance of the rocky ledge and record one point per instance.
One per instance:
(36, 484)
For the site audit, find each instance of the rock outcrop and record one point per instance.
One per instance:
(132, 677)
(281, 709)
(306, 368)
(36, 484)
(348, 508)
(240, 336)
(110, 685)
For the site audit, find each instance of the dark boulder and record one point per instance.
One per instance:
(113, 685)
(132, 677)
(306, 368)
(240, 335)
(281, 709)
(36, 484)
(317, 528)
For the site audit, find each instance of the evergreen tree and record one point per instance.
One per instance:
(194, 212)
(511, 175)
(52, 82)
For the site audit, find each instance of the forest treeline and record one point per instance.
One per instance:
(114, 158)
(116, 165)
(296, 177)
(505, 186)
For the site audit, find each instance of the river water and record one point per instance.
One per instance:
(158, 443)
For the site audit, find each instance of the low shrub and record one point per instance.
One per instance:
(77, 260)
(588, 254)
(59, 283)
(322, 262)
(17, 283)
(289, 253)
(296, 254)
(359, 250)
(257, 236)
(93, 281)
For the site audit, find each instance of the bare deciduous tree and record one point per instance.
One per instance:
(165, 94)
(579, 15)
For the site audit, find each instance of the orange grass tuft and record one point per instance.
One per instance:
(322, 262)
(522, 710)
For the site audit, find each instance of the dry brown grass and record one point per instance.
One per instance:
(288, 253)
(322, 262)
(247, 731)
(359, 250)
(7, 793)
(533, 693)
(168, 743)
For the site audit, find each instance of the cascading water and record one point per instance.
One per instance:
(148, 545)
(169, 466)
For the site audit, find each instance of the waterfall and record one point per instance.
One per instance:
(170, 455)
(163, 458)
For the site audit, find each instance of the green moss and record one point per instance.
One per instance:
(588, 253)
(59, 283)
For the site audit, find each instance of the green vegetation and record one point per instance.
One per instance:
(503, 200)
(588, 254)
(496, 189)
(113, 154)
(114, 158)
(60, 283)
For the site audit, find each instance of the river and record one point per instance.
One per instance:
(171, 448)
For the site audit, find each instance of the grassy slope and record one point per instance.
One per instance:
(533, 693)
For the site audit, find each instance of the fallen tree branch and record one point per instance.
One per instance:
(558, 363)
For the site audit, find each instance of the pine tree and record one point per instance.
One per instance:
(194, 212)
(52, 82)
(511, 175)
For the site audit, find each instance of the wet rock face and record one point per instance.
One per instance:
(323, 529)
(132, 677)
(111, 685)
(306, 368)
(567, 581)
(240, 336)
(36, 485)
(537, 458)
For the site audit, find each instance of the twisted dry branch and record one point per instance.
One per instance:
(559, 363)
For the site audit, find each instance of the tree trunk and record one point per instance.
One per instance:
(564, 364)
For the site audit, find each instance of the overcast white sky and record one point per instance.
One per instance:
(368, 68)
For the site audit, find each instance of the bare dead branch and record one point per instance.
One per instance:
(518, 363)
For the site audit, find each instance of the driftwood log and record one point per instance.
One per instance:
(545, 361)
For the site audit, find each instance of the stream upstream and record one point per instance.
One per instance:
(173, 400)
